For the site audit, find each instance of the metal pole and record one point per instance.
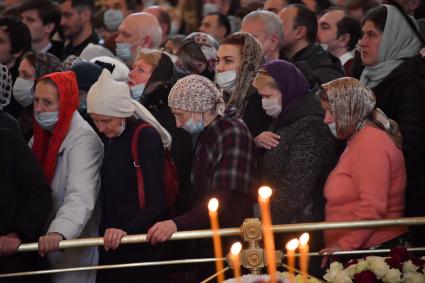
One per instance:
(200, 234)
(110, 266)
(215, 275)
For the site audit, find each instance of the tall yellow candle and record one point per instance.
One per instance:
(264, 194)
(218, 252)
(235, 260)
(304, 248)
(291, 246)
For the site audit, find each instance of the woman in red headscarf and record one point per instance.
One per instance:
(70, 154)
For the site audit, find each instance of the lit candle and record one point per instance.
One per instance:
(235, 260)
(218, 253)
(291, 246)
(264, 194)
(304, 255)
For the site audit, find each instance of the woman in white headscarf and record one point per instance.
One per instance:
(396, 75)
(126, 207)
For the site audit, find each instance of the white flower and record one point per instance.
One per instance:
(332, 271)
(413, 277)
(409, 267)
(362, 265)
(378, 266)
(343, 277)
(392, 276)
(351, 270)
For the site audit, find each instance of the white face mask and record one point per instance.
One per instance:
(332, 128)
(209, 8)
(324, 46)
(123, 51)
(22, 91)
(137, 91)
(272, 106)
(226, 80)
(112, 19)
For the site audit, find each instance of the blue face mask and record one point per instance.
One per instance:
(47, 120)
(137, 91)
(192, 127)
(112, 19)
(332, 128)
(123, 51)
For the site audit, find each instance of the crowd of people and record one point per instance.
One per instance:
(123, 117)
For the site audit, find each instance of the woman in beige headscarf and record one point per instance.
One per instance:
(238, 60)
(369, 180)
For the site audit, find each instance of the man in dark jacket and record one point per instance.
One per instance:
(300, 29)
(24, 205)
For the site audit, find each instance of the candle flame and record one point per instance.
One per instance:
(304, 238)
(213, 205)
(236, 248)
(292, 245)
(265, 192)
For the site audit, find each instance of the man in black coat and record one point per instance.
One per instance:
(24, 205)
(300, 29)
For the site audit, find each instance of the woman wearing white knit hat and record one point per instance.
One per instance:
(124, 209)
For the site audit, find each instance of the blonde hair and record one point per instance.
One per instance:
(263, 79)
(150, 56)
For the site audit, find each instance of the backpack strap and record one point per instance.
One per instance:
(136, 163)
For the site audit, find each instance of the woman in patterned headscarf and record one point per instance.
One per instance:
(238, 60)
(6, 120)
(369, 180)
(33, 66)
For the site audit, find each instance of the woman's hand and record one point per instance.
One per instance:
(326, 252)
(49, 243)
(112, 238)
(9, 244)
(267, 140)
(161, 232)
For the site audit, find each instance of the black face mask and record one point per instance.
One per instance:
(208, 74)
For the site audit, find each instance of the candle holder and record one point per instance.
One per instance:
(253, 257)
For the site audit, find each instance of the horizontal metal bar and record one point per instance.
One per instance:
(111, 266)
(361, 252)
(227, 232)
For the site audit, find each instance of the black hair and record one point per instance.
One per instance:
(81, 4)
(18, 32)
(306, 18)
(223, 21)
(47, 10)
(378, 16)
(352, 27)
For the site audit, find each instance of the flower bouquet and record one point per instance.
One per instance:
(400, 266)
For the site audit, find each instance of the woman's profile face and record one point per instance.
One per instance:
(370, 43)
(329, 118)
(229, 58)
(46, 97)
(26, 70)
(141, 73)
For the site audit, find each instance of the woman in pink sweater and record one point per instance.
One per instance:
(370, 178)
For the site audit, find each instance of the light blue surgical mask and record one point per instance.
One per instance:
(193, 127)
(112, 19)
(332, 128)
(226, 80)
(123, 51)
(137, 91)
(22, 91)
(47, 120)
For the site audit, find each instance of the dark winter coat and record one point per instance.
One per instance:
(298, 167)
(401, 95)
(324, 66)
(24, 204)
(120, 202)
